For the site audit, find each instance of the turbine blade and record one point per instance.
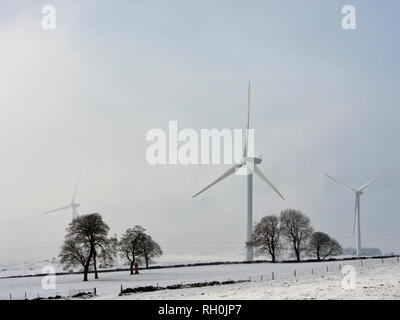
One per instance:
(76, 188)
(258, 172)
(339, 182)
(59, 209)
(373, 180)
(225, 175)
(247, 123)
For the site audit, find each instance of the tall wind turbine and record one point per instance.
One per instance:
(74, 205)
(250, 165)
(358, 192)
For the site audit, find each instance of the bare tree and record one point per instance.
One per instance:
(75, 254)
(150, 249)
(266, 237)
(296, 229)
(323, 246)
(86, 235)
(130, 247)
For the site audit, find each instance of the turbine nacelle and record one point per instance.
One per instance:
(252, 160)
(247, 166)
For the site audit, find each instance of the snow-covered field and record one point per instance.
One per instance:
(108, 286)
(377, 282)
(20, 268)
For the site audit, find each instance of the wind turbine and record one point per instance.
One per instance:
(72, 205)
(358, 192)
(250, 165)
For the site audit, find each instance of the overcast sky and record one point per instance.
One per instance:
(83, 97)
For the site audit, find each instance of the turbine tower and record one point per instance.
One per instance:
(74, 205)
(358, 192)
(249, 164)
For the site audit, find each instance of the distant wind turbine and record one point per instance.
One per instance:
(72, 205)
(358, 193)
(250, 164)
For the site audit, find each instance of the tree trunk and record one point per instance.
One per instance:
(131, 267)
(297, 255)
(96, 276)
(146, 258)
(273, 258)
(87, 266)
(85, 272)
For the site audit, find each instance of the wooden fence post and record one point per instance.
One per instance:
(273, 278)
(294, 272)
(121, 288)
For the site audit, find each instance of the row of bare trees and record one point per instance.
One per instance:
(292, 231)
(87, 243)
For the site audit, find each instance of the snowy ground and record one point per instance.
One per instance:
(19, 268)
(108, 286)
(373, 282)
